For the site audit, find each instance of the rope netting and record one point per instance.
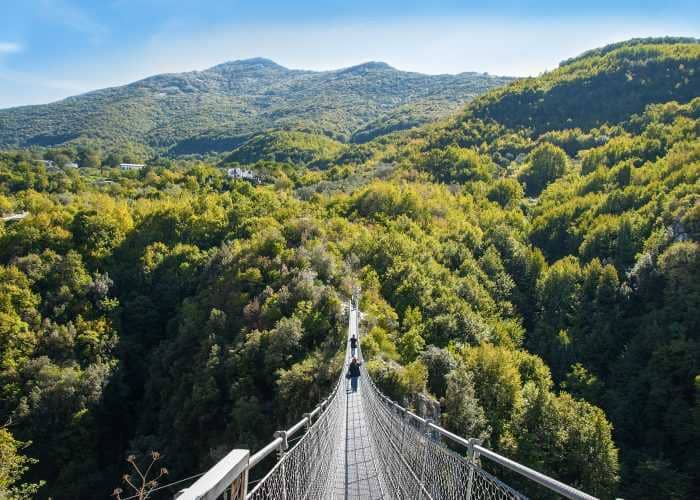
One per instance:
(307, 469)
(416, 465)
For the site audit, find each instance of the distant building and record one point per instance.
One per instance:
(241, 173)
(15, 216)
(52, 166)
(49, 165)
(131, 166)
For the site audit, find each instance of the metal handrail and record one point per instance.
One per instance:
(262, 454)
(274, 445)
(234, 466)
(533, 475)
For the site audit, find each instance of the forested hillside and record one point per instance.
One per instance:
(286, 147)
(531, 266)
(219, 108)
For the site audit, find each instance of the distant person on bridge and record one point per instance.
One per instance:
(354, 373)
(353, 345)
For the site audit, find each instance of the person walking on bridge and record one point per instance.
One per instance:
(353, 345)
(354, 373)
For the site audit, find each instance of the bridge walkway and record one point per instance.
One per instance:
(357, 470)
(357, 473)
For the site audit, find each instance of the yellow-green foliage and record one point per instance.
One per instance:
(399, 382)
(378, 343)
(286, 146)
(13, 466)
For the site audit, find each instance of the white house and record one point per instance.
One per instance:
(131, 166)
(241, 173)
(15, 216)
(49, 165)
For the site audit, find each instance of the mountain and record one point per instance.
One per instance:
(598, 164)
(576, 106)
(219, 108)
(605, 85)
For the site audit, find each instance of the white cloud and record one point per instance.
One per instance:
(9, 48)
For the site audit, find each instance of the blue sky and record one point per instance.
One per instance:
(50, 49)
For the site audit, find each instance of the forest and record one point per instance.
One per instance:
(531, 264)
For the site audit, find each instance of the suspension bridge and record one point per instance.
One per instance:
(363, 445)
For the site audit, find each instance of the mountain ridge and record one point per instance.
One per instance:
(170, 112)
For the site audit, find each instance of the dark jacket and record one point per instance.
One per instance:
(353, 342)
(354, 369)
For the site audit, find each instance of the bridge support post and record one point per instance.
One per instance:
(284, 446)
(426, 437)
(239, 488)
(403, 428)
(473, 462)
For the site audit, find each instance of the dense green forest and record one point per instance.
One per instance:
(532, 264)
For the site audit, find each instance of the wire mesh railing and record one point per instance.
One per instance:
(307, 469)
(416, 464)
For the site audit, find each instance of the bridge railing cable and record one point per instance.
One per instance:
(304, 470)
(416, 464)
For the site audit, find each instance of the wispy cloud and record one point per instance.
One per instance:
(9, 48)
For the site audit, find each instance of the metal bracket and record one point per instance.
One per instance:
(473, 454)
(427, 430)
(284, 445)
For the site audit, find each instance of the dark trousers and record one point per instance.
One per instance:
(353, 383)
